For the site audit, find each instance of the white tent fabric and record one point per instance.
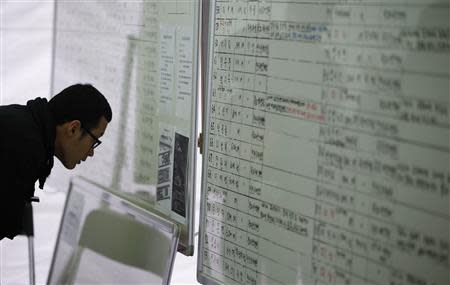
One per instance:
(25, 73)
(26, 40)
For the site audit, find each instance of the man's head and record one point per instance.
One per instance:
(81, 114)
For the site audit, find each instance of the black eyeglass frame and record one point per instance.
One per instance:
(96, 142)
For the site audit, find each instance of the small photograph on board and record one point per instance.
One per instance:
(164, 158)
(163, 175)
(162, 193)
(179, 174)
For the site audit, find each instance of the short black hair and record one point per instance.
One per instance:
(81, 102)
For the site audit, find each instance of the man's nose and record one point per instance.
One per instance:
(91, 152)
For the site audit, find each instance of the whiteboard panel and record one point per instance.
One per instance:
(142, 55)
(327, 143)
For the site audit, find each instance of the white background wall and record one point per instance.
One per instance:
(26, 41)
(25, 73)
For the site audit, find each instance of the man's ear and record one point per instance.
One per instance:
(73, 127)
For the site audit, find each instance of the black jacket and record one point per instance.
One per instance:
(27, 138)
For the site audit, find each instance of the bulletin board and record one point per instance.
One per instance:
(326, 143)
(142, 55)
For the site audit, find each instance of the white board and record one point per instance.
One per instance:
(142, 55)
(327, 143)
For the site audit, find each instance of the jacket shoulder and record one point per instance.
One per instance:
(21, 141)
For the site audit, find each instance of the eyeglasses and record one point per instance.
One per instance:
(96, 142)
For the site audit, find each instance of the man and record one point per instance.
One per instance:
(68, 126)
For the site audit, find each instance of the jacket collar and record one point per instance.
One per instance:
(44, 120)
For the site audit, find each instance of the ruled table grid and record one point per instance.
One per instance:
(328, 143)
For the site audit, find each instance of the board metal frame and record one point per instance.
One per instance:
(201, 277)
